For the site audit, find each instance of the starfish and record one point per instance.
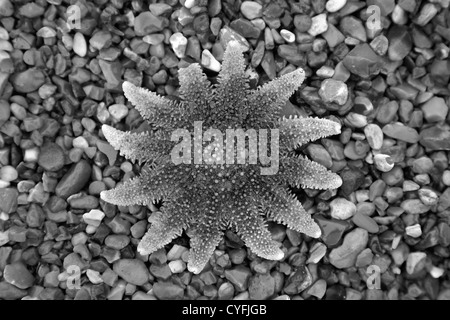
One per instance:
(204, 199)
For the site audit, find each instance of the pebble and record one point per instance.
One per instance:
(362, 61)
(333, 91)
(117, 241)
(6, 8)
(345, 255)
(147, 23)
(364, 221)
(335, 5)
(79, 44)
(118, 111)
(383, 162)
(251, 10)
(302, 22)
(8, 173)
(7, 290)
(94, 276)
(177, 266)
(342, 209)
(364, 258)
(401, 132)
(353, 27)
(5, 111)
(414, 231)
(415, 262)
(374, 136)
(319, 288)
(288, 36)
(18, 275)
(298, 281)
(93, 217)
(74, 180)
(239, 277)
(132, 271)
(28, 81)
(208, 61)
(179, 44)
(435, 110)
(261, 287)
(319, 24)
(8, 200)
(435, 138)
(400, 42)
(332, 230)
(167, 291)
(317, 252)
(414, 206)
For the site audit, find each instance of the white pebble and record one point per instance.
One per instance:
(90, 229)
(319, 25)
(342, 209)
(8, 173)
(4, 216)
(399, 15)
(93, 217)
(288, 36)
(118, 111)
(383, 162)
(413, 260)
(94, 276)
(79, 44)
(177, 266)
(31, 155)
(179, 43)
(189, 4)
(414, 231)
(335, 5)
(436, 272)
(80, 143)
(374, 136)
(209, 62)
(446, 178)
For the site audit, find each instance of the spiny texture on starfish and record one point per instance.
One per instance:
(205, 199)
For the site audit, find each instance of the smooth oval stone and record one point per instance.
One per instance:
(364, 221)
(17, 274)
(132, 271)
(28, 81)
(74, 180)
(401, 132)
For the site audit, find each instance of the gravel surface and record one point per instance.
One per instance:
(381, 67)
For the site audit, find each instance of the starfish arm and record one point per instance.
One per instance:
(298, 171)
(195, 88)
(283, 207)
(204, 239)
(142, 146)
(232, 88)
(128, 193)
(266, 102)
(162, 112)
(295, 132)
(164, 228)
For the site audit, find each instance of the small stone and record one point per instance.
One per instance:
(8, 173)
(435, 110)
(226, 291)
(299, 281)
(132, 271)
(146, 23)
(118, 111)
(415, 262)
(353, 27)
(401, 132)
(362, 61)
(74, 260)
(400, 42)
(168, 291)
(317, 252)
(74, 180)
(414, 231)
(179, 44)
(79, 44)
(364, 221)
(251, 10)
(319, 25)
(380, 44)
(302, 22)
(414, 206)
(335, 5)
(383, 162)
(18, 275)
(93, 217)
(208, 61)
(6, 8)
(342, 209)
(288, 36)
(332, 230)
(364, 258)
(374, 136)
(7, 290)
(94, 276)
(333, 91)
(245, 28)
(117, 241)
(427, 13)
(159, 9)
(345, 255)
(8, 200)
(177, 266)
(435, 138)
(28, 81)
(31, 10)
(239, 276)
(319, 287)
